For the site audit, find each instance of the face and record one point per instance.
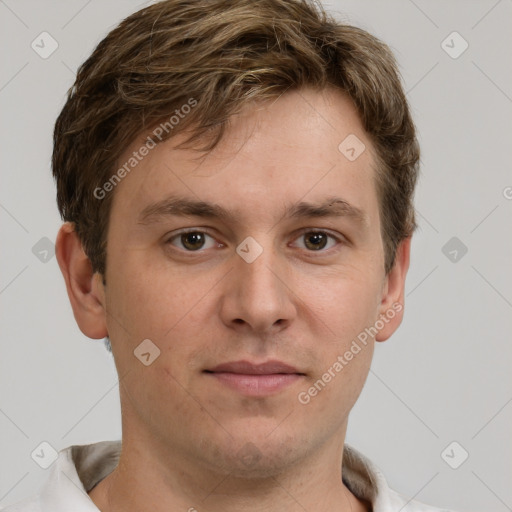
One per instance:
(251, 269)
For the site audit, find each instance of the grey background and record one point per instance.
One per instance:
(443, 377)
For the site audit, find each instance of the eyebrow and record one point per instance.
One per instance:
(183, 207)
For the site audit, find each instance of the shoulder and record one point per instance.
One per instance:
(367, 481)
(75, 471)
(31, 504)
(405, 504)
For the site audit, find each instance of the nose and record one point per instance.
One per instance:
(258, 297)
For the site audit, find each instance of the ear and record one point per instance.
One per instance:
(391, 308)
(85, 288)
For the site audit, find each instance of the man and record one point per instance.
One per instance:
(236, 181)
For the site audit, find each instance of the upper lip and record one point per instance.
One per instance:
(248, 368)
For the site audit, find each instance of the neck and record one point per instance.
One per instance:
(145, 479)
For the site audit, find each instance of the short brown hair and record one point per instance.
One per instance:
(224, 54)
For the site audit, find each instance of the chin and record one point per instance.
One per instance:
(258, 456)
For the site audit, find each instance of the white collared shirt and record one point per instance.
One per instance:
(79, 468)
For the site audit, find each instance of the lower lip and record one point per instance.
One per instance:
(256, 385)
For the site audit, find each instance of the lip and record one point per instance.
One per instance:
(253, 379)
(247, 368)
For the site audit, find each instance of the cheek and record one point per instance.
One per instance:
(332, 395)
(343, 310)
(152, 298)
(344, 356)
(343, 301)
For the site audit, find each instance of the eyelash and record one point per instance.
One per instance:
(303, 232)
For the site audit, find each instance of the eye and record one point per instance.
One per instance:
(195, 240)
(191, 241)
(318, 240)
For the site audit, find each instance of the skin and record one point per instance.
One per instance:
(184, 432)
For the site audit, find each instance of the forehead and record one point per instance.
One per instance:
(300, 146)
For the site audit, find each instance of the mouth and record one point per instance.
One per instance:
(253, 379)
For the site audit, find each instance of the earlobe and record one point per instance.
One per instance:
(391, 308)
(85, 290)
